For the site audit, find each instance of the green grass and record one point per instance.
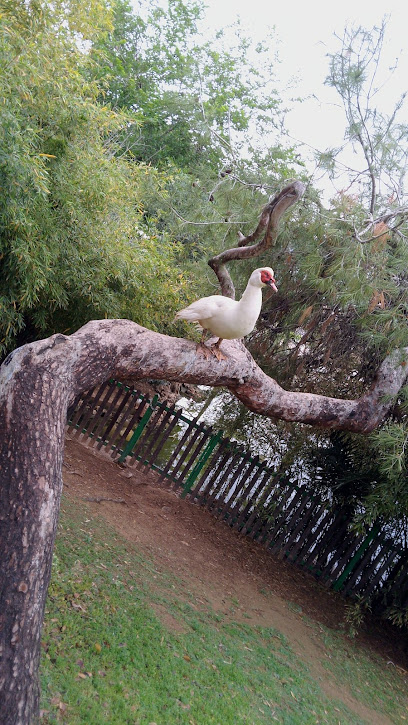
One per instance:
(108, 658)
(369, 678)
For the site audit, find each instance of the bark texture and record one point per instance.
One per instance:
(33, 394)
(37, 384)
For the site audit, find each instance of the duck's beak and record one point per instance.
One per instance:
(271, 283)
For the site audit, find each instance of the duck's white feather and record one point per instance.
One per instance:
(229, 319)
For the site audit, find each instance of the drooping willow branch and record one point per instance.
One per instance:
(267, 226)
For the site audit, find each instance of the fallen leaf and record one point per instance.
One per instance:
(305, 314)
(78, 606)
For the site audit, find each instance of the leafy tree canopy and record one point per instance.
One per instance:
(342, 304)
(194, 98)
(73, 241)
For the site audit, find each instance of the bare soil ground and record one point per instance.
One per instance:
(230, 573)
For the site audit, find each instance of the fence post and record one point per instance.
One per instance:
(139, 430)
(338, 584)
(212, 443)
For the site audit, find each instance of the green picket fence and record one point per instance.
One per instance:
(240, 489)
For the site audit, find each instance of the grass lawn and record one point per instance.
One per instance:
(108, 657)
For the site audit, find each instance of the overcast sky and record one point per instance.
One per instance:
(305, 31)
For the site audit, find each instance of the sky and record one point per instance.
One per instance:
(305, 33)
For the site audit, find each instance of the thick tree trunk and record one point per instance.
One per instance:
(33, 415)
(37, 384)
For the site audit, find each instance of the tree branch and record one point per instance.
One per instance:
(39, 381)
(140, 353)
(123, 349)
(268, 225)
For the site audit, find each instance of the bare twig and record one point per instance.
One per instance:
(98, 499)
(382, 222)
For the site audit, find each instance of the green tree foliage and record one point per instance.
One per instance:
(343, 304)
(377, 138)
(73, 242)
(207, 113)
(143, 65)
(194, 98)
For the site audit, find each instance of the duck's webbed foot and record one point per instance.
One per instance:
(215, 349)
(204, 349)
(209, 350)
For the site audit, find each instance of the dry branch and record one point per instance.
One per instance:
(268, 225)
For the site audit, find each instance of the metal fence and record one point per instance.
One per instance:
(216, 473)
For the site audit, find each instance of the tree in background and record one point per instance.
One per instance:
(195, 99)
(378, 139)
(74, 244)
(207, 113)
(342, 302)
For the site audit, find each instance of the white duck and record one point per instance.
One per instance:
(227, 318)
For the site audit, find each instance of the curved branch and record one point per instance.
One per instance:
(268, 225)
(123, 349)
(140, 353)
(37, 384)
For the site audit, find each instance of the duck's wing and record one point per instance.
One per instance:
(204, 308)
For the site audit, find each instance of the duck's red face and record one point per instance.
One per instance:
(268, 278)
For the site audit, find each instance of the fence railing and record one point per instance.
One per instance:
(241, 490)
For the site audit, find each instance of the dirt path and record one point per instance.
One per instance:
(232, 574)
